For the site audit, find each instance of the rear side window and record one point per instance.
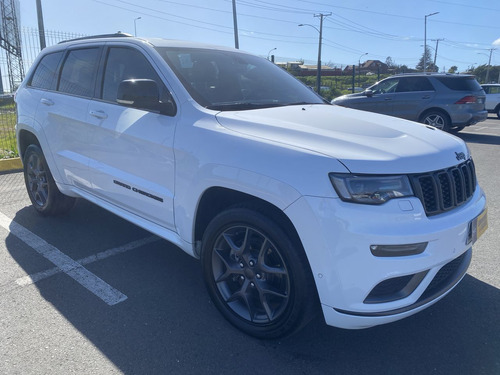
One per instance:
(460, 83)
(44, 76)
(79, 71)
(408, 84)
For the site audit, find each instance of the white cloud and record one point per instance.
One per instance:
(497, 42)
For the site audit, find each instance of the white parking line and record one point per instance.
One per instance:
(74, 269)
(31, 279)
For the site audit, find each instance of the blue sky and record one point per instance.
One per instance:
(394, 28)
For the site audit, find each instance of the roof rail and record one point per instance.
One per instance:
(119, 34)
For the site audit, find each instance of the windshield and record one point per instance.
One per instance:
(225, 80)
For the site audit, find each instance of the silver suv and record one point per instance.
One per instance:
(445, 101)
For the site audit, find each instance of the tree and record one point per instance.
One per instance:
(427, 57)
(480, 73)
(453, 69)
(390, 64)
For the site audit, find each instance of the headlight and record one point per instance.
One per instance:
(368, 189)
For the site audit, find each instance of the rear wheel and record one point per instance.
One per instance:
(457, 129)
(436, 118)
(256, 275)
(497, 111)
(41, 187)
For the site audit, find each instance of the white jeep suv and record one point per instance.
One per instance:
(290, 203)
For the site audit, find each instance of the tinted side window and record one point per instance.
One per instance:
(123, 64)
(408, 84)
(45, 73)
(460, 83)
(79, 71)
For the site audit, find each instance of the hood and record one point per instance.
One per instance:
(364, 142)
(348, 96)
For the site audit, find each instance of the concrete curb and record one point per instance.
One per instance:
(13, 164)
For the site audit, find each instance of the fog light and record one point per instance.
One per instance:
(398, 250)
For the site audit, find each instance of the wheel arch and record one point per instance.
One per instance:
(435, 109)
(24, 139)
(217, 199)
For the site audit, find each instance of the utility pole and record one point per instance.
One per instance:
(489, 66)
(436, 50)
(318, 75)
(41, 28)
(235, 22)
(425, 39)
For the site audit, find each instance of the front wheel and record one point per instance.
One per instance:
(41, 187)
(256, 275)
(498, 111)
(437, 119)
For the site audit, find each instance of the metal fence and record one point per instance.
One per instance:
(30, 47)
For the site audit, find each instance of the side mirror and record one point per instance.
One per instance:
(369, 93)
(143, 94)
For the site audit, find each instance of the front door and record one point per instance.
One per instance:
(133, 159)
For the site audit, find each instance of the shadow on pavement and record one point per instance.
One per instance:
(169, 326)
(480, 138)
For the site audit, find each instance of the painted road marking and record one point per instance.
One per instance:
(31, 279)
(73, 269)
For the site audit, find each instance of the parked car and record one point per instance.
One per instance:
(291, 204)
(492, 91)
(445, 101)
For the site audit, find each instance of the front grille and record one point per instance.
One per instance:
(443, 190)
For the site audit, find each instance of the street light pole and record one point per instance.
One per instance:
(41, 27)
(235, 25)
(271, 50)
(425, 39)
(320, 31)
(135, 25)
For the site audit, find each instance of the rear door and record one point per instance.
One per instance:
(133, 159)
(412, 96)
(63, 114)
(492, 96)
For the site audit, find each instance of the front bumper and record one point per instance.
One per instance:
(337, 237)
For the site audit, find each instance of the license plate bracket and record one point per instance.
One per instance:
(477, 227)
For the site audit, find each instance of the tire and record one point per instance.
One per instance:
(436, 118)
(457, 129)
(41, 187)
(498, 111)
(257, 277)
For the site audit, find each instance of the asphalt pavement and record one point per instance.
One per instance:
(89, 293)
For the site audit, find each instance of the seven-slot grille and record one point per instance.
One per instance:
(443, 190)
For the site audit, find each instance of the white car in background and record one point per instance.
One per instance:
(492, 98)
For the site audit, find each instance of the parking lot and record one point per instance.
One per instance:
(89, 293)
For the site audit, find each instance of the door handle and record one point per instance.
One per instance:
(387, 98)
(426, 97)
(47, 102)
(99, 114)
